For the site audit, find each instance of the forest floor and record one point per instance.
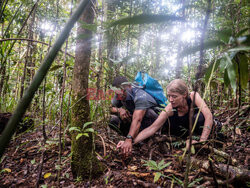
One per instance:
(20, 165)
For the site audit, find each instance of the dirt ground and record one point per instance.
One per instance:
(21, 163)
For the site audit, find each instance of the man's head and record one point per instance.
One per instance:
(118, 81)
(122, 83)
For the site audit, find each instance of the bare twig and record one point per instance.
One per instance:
(212, 170)
(33, 40)
(40, 169)
(104, 146)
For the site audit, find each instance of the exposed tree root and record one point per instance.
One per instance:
(236, 174)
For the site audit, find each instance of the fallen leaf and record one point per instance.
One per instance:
(7, 170)
(33, 161)
(237, 131)
(229, 144)
(138, 174)
(173, 172)
(47, 175)
(132, 168)
(21, 160)
(65, 153)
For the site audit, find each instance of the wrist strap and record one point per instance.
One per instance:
(130, 137)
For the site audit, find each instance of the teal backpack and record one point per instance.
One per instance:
(152, 87)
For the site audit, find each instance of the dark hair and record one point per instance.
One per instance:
(119, 80)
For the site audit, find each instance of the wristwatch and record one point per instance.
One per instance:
(129, 137)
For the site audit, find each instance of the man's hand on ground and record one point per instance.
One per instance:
(126, 147)
(120, 143)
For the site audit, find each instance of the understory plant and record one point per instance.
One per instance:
(152, 165)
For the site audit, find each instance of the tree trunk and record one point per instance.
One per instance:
(179, 65)
(84, 163)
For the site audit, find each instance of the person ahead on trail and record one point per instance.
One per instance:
(132, 110)
(175, 117)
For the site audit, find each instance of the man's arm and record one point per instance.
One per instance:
(136, 122)
(134, 129)
(155, 126)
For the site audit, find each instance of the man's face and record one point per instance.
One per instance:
(121, 94)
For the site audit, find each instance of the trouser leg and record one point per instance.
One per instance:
(149, 118)
(123, 127)
(118, 125)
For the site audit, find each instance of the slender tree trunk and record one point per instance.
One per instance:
(31, 63)
(111, 40)
(203, 34)
(23, 76)
(99, 74)
(157, 45)
(84, 163)
(180, 46)
(128, 37)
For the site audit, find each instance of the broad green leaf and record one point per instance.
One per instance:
(79, 136)
(194, 49)
(226, 79)
(243, 62)
(239, 49)
(180, 182)
(209, 70)
(157, 176)
(164, 166)
(146, 19)
(241, 32)
(223, 64)
(225, 35)
(194, 182)
(231, 73)
(152, 164)
(74, 129)
(90, 130)
(232, 55)
(86, 124)
(47, 175)
(161, 163)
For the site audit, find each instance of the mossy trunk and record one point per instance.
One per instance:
(84, 163)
